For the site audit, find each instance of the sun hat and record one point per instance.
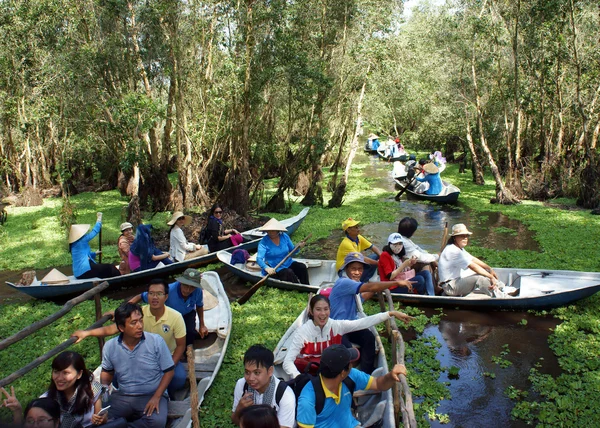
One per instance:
(273, 225)
(176, 216)
(395, 238)
(77, 231)
(55, 277)
(353, 257)
(335, 358)
(191, 277)
(430, 168)
(125, 226)
(460, 229)
(349, 222)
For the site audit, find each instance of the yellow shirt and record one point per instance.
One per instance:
(170, 326)
(349, 246)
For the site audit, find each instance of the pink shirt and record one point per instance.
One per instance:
(134, 261)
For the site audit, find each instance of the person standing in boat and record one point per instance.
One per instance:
(123, 245)
(143, 254)
(432, 178)
(259, 386)
(321, 331)
(220, 238)
(84, 259)
(343, 304)
(395, 264)
(180, 249)
(273, 248)
(460, 273)
(355, 242)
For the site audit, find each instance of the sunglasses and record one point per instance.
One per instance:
(218, 212)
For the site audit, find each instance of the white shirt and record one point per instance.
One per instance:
(179, 246)
(452, 262)
(286, 410)
(413, 249)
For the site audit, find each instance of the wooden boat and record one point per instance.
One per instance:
(538, 289)
(381, 152)
(448, 195)
(373, 409)
(208, 353)
(76, 286)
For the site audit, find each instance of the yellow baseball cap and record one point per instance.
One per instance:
(349, 222)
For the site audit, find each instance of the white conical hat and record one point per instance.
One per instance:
(273, 225)
(55, 277)
(77, 231)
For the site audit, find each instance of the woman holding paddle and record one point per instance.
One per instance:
(84, 259)
(273, 248)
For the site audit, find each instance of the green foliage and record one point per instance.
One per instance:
(68, 214)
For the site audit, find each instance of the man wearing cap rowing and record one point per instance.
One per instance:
(334, 368)
(460, 273)
(343, 304)
(355, 242)
(159, 319)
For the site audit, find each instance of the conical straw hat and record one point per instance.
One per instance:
(273, 225)
(55, 277)
(209, 300)
(77, 231)
(176, 216)
(431, 168)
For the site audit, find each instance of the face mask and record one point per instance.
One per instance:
(396, 248)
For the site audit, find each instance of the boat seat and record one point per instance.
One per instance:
(176, 409)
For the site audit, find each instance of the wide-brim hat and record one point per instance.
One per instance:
(191, 277)
(77, 231)
(177, 215)
(430, 168)
(125, 226)
(335, 358)
(460, 229)
(55, 277)
(353, 257)
(349, 222)
(273, 225)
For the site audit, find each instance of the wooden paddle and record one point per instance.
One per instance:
(259, 284)
(397, 197)
(444, 238)
(100, 246)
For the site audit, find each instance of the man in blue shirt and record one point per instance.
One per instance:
(333, 369)
(343, 304)
(185, 296)
(143, 363)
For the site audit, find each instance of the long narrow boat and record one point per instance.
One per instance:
(448, 195)
(538, 288)
(382, 150)
(208, 352)
(76, 286)
(376, 409)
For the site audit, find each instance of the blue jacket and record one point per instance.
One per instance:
(82, 254)
(269, 254)
(435, 183)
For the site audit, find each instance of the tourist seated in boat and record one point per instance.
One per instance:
(425, 260)
(259, 386)
(73, 387)
(431, 178)
(144, 367)
(41, 412)
(84, 264)
(259, 416)
(355, 242)
(439, 160)
(373, 141)
(273, 248)
(180, 249)
(220, 238)
(321, 331)
(186, 297)
(143, 254)
(123, 244)
(334, 368)
(159, 319)
(343, 305)
(395, 264)
(460, 273)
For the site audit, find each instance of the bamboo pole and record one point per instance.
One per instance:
(98, 308)
(193, 386)
(55, 351)
(67, 307)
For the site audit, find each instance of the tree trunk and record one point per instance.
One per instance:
(477, 169)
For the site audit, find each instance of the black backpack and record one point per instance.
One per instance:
(281, 387)
(204, 235)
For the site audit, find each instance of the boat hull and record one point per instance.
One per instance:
(449, 195)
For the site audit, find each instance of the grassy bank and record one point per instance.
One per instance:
(567, 239)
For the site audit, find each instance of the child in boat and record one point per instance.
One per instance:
(259, 386)
(320, 331)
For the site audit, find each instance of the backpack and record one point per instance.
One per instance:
(204, 235)
(281, 387)
(299, 382)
